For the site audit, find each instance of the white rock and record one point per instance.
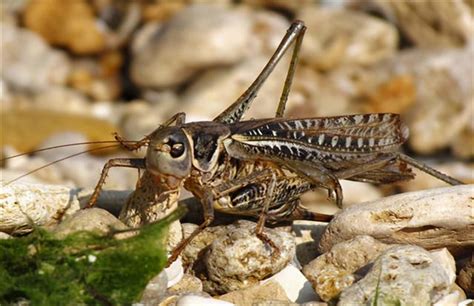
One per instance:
(434, 218)
(444, 95)
(270, 293)
(195, 300)
(28, 62)
(84, 170)
(24, 205)
(196, 38)
(4, 236)
(441, 24)
(238, 259)
(335, 37)
(408, 274)
(93, 219)
(335, 270)
(217, 88)
(17, 167)
(155, 290)
(299, 289)
(446, 260)
(453, 298)
(174, 272)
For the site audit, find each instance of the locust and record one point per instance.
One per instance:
(261, 167)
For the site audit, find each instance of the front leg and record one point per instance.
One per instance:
(138, 163)
(207, 203)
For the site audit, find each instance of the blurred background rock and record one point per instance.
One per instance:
(98, 66)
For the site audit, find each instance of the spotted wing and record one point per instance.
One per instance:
(329, 139)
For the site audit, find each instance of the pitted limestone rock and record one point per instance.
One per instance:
(238, 259)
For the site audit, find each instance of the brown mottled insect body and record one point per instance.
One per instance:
(261, 167)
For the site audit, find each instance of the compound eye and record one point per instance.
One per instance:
(177, 150)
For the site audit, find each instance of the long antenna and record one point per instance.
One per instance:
(63, 146)
(59, 160)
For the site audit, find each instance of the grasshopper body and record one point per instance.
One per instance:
(261, 167)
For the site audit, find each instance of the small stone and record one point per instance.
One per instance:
(140, 118)
(194, 39)
(466, 277)
(193, 250)
(4, 236)
(314, 93)
(453, 298)
(98, 80)
(174, 272)
(463, 145)
(403, 274)
(14, 168)
(238, 259)
(439, 76)
(431, 219)
(257, 294)
(299, 289)
(307, 235)
(193, 300)
(267, 31)
(188, 284)
(69, 24)
(155, 290)
(61, 100)
(440, 24)
(84, 170)
(161, 11)
(344, 37)
(334, 271)
(23, 206)
(221, 86)
(446, 260)
(28, 63)
(93, 219)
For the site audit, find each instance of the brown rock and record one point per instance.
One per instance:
(432, 24)
(431, 219)
(188, 284)
(334, 271)
(46, 123)
(238, 259)
(69, 24)
(93, 219)
(342, 37)
(463, 145)
(270, 291)
(466, 278)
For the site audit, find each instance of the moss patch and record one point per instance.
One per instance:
(83, 268)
